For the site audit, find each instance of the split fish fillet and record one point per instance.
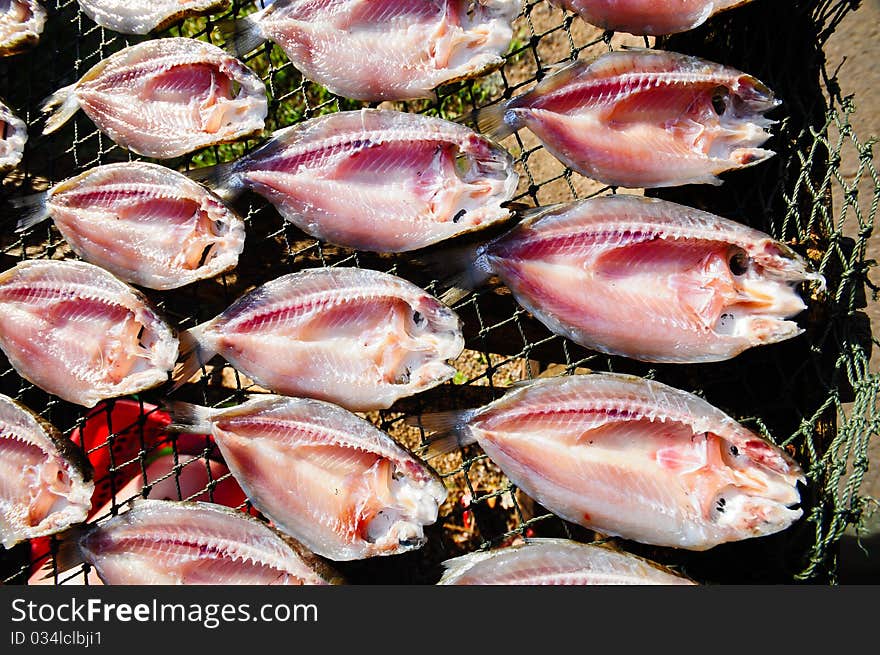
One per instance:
(163, 98)
(378, 180)
(323, 475)
(359, 338)
(632, 458)
(78, 332)
(643, 118)
(21, 23)
(13, 137)
(145, 16)
(145, 223)
(163, 542)
(45, 482)
(556, 562)
(647, 279)
(648, 17)
(377, 50)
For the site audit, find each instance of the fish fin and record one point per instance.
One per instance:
(446, 431)
(460, 269)
(220, 178)
(188, 417)
(193, 355)
(456, 567)
(60, 106)
(34, 209)
(494, 121)
(68, 556)
(240, 36)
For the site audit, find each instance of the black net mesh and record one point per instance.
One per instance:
(814, 395)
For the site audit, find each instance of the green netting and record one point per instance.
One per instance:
(815, 395)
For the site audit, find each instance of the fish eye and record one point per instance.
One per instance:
(739, 263)
(719, 99)
(418, 318)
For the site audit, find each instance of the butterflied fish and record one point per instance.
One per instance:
(643, 118)
(632, 458)
(162, 542)
(384, 49)
(377, 180)
(165, 97)
(556, 562)
(648, 279)
(147, 224)
(21, 23)
(359, 338)
(323, 475)
(78, 332)
(648, 17)
(13, 136)
(45, 482)
(144, 16)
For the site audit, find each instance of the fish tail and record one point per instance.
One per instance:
(494, 121)
(194, 354)
(69, 555)
(188, 417)
(60, 106)
(240, 36)
(222, 179)
(460, 270)
(34, 209)
(445, 431)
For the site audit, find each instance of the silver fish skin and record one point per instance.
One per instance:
(377, 180)
(147, 224)
(648, 17)
(648, 279)
(556, 562)
(164, 542)
(632, 458)
(642, 118)
(163, 98)
(145, 16)
(375, 50)
(45, 482)
(14, 137)
(78, 332)
(355, 337)
(21, 24)
(325, 476)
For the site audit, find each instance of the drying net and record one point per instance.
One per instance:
(814, 395)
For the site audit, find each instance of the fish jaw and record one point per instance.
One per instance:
(15, 136)
(20, 26)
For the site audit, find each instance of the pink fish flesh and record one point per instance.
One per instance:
(648, 279)
(359, 338)
(77, 332)
(145, 16)
(323, 475)
(147, 224)
(648, 17)
(633, 458)
(556, 562)
(13, 136)
(21, 23)
(163, 98)
(377, 50)
(643, 118)
(45, 482)
(378, 180)
(162, 542)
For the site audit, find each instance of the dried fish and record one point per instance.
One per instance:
(323, 475)
(556, 562)
(384, 49)
(632, 458)
(162, 542)
(76, 331)
(377, 180)
(165, 97)
(21, 23)
(13, 137)
(145, 16)
(359, 338)
(145, 223)
(45, 482)
(643, 118)
(647, 279)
